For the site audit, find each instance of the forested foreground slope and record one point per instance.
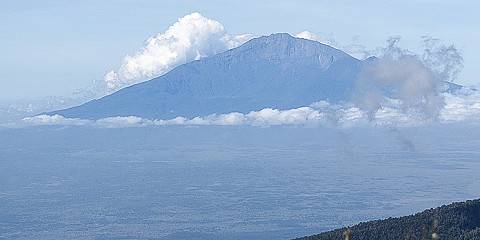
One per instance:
(454, 221)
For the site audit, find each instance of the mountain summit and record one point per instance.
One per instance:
(277, 71)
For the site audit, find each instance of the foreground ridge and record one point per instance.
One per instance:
(454, 221)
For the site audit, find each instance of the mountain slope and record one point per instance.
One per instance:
(455, 221)
(277, 71)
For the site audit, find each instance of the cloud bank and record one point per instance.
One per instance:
(459, 107)
(192, 37)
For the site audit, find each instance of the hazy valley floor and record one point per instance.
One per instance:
(225, 182)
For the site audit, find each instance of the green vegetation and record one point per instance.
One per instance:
(459, 221)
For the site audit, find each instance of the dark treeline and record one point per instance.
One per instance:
(459, 221)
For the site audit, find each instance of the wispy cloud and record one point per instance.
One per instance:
(353, 48)
(316, 37)
(416, 80)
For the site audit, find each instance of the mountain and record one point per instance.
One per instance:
(459, 221)
(278, 71)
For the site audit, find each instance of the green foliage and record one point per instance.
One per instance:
(457, 221)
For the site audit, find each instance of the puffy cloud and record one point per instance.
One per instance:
(233, 118)
(295, 116)
(461, 107)
(192, 37)
(175, 121)
(350, 116)
(122, 121)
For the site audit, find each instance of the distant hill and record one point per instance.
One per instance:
(459, 221)
(278, 71)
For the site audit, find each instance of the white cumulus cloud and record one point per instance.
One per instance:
(461, 107)
(122, 121)
(192, 37)
(269, 116)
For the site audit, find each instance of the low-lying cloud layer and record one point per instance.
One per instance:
(192, 37)
(458, 107)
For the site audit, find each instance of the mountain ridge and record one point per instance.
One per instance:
(278, 71)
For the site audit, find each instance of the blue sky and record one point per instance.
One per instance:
(54, 47)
